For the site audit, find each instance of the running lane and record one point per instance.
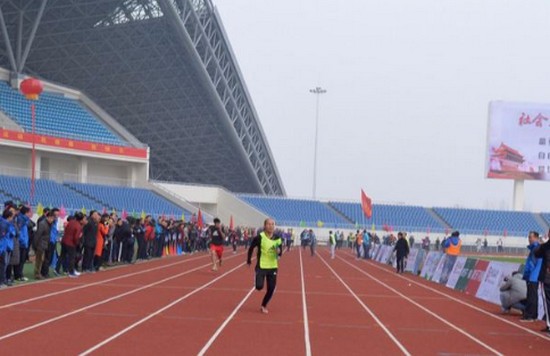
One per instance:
(338, 323)
(42, 289)
(509, 338)
(281, 332)
(420, 332)
(185, 327)
(139, 296)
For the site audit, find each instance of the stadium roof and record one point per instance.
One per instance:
(163, 68)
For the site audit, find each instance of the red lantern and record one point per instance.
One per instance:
(31, 88)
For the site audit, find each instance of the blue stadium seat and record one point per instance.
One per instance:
(295, 211)
(56, 116)
(399, 217)
(47, 192)
(546, 217)
(132, 200)
(493, 221)
(75, 196)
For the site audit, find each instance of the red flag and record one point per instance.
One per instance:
(231, 223)
(124, 214)
(505, 232)
(366, 205)
(199, 219)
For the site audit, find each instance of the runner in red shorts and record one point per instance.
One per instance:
(216, 243)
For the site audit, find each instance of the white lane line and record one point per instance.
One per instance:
(367, 309)
(53, 294)
(76, 311)
(304, 305)
(445, 321)
(466, 304)
(152, 315)
(220, 329)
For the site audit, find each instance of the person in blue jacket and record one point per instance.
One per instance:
(531, 276)
(51, 250)
(23, 222)
(6, 243)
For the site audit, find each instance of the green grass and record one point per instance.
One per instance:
(503, 259)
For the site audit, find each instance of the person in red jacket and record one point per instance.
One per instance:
(102, 231)
(71, 239)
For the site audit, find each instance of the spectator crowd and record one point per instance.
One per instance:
(87, 243)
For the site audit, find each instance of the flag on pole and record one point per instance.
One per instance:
(182, 217)
(83, 211)
(373, 227)
(143, 215)
(302, 223)
(366, 205)
(124, 214)
(199, 219)
(320, 223)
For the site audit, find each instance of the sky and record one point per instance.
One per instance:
(408, 88)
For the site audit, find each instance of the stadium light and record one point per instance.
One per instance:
(317, 91)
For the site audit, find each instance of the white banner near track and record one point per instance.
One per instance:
(374, 251)
(430, 263)
(489, 289)
(411, 260)
(455, 273)
(439, 269)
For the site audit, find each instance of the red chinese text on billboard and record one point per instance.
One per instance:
(527, 120)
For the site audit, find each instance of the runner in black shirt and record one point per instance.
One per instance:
(217, 237)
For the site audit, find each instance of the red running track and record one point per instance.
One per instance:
(321, 306)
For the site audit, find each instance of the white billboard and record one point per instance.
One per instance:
(518, 144)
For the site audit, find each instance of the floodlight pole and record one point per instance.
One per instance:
(519, 195)
(317, 91)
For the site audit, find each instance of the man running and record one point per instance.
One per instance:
(270, 248)
(217, 237)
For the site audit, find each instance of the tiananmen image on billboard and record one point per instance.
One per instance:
(518, 141)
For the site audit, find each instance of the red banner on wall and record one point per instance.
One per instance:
(477, 277)
(65, 143)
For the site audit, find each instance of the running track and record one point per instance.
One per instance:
(321, 307)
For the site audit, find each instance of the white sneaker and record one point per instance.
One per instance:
(73, 275)
(76, 273)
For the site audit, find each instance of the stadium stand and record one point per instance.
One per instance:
(133, 200)
(491, 221)
(75, 196)
(48, 193)
(293, 212)
(546, 217)
(408, 218)
(57, 116)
